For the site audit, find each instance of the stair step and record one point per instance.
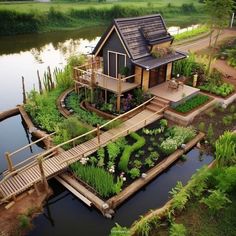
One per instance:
(153, 108)
(161, 100)
(156, 103)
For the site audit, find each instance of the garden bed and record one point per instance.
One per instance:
(191, 104)
(215, 121)
(148, 158)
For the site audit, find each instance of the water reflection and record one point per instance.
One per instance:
(25, 54)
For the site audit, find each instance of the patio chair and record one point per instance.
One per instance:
(173, 84)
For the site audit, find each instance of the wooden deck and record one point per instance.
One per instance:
(173, 95)
(28, 176)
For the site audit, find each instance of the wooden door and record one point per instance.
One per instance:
(157, 76)
(111, 64)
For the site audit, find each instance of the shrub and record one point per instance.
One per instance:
(101, 156)
(124, 160)
(216, 200)
(149, 162)
(24, 221)
(134, 173)
(192, 103)
(119, 231)
(98, 178)
(222, 90)
(177, 230)
(89, 117)
(227, 120)
(210, 133)
(154, 156)
(137, 164)
(225, 149)
(202, 126)
(43, 110)
(188, 8)
(178, 136)
(68, 129)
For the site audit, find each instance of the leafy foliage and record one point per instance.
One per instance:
(177, 230)
(98, 178)
(192, 103)
(119, 231)
(216, 200)
(225, 153)
(68, 129)
(134, 173)
(124, 160)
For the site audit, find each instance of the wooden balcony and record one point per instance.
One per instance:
(109, 83)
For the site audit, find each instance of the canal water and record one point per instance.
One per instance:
(64, 214)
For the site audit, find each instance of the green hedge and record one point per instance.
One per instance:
(124, 160)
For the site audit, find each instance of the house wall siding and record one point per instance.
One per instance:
(114, 44)
(145, 80)
(168, 71)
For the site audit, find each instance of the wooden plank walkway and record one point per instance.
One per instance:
(26, 177)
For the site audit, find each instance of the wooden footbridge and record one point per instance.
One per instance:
(53, 161)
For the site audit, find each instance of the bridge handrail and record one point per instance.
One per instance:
(30, 144)
(118, 134)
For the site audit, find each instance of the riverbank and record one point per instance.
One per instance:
(38, 17)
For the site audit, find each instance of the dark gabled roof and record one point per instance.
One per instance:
(150, 62)
(138, 33)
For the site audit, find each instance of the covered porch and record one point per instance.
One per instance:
(174, 95)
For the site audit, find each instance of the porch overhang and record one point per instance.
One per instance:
(151, 62)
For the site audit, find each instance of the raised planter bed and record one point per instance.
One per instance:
(131, 186)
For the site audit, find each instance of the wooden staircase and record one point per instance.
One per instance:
(158, 104)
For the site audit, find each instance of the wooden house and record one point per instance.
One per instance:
(133, 52)
(140, 46)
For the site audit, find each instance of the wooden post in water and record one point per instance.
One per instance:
(9, 162)
(23, 89)
(118, 93)
(36, 189)
(43, 177)
(98, 134)
(40, 84)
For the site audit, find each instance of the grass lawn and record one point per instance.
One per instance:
(65, 6)
(34, 17)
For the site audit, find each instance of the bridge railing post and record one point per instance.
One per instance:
(9, 162)
(98, 134)
(43, 177)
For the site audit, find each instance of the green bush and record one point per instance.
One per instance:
(124, 160)
(225, 149)
(90, 118)
(134, 173)
(192, 103)
(24, 221)
(68, 129)
(43, 109)
(222, 90)
(178, 136)
(216, 200)
(177, 230)
(98, 178)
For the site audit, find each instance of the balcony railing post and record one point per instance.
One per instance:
(118, 93)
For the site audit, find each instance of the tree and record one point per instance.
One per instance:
(219, 12)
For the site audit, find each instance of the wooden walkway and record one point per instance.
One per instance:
(25, 178)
